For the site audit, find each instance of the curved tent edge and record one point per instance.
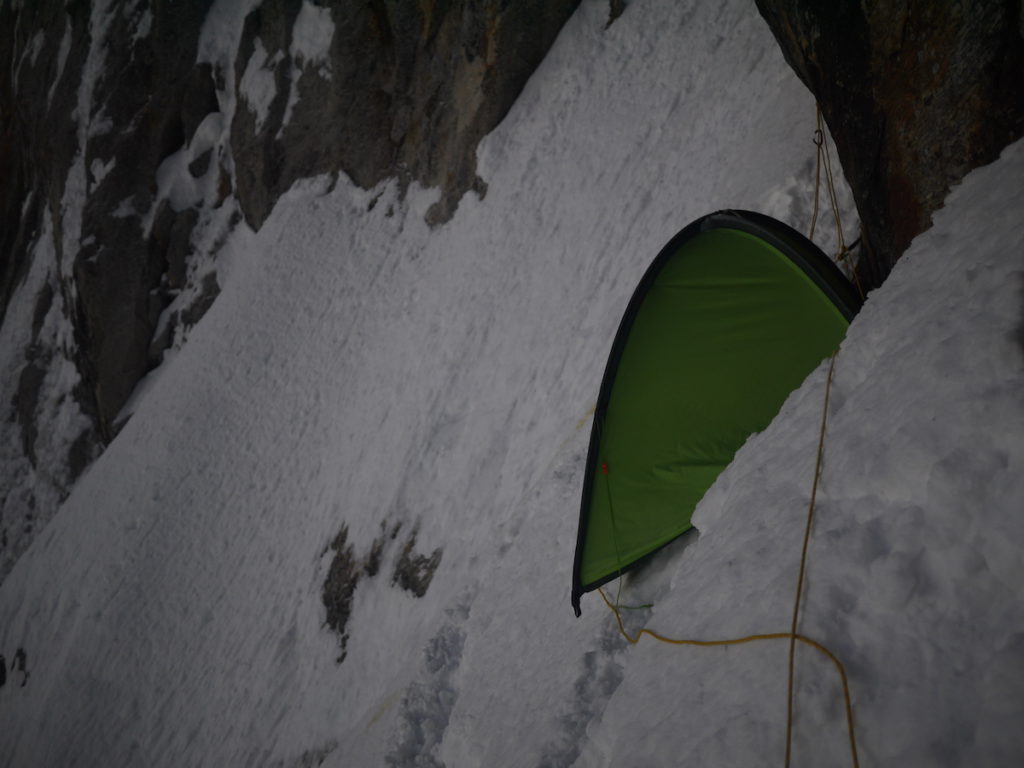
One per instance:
(604, 394)
(801, 251)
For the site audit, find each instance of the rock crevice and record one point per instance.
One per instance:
(915, 94)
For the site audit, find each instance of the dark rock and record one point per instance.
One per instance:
(44, 301)
(169, 242)
(37, 134)
(339, 586)
(201, 164)
(224, 186)
(26, 402)
(615, 9)
(149, 95)
(916, 94)
(30, 380)
(407, 91)
(154, 96)
(161, 342)
(83, 451)
(413, 88)
(199, 98)
(413, 571)
(373, 560)
(208, 291)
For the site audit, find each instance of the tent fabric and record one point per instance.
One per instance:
(731, 317)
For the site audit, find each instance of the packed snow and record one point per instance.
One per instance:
(431, 390)
(258, 86)
(311, 35)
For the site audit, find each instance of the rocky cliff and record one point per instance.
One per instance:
(915, 93)
(131, 144)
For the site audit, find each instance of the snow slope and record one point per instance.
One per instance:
(359, 369)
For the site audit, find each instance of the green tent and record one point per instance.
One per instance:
(731, 317)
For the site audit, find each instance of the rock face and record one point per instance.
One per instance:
(403, 89)
(88, 115)
(128, 149)
(916, 94)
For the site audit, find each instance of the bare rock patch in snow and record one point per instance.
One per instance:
(340, 585)
(412, 572)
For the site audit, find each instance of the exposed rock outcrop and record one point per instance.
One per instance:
(124, 143)
(413, 573)
(96, 99)
(916, 94)
(148, 102)
(404, 89)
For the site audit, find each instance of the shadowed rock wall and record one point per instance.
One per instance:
(103, 106)
(407, 91)
(916, 94)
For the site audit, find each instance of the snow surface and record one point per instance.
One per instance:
(62, 59)
(311, 36)
(361, 369)
(257, 85)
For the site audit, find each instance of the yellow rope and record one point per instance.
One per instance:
(833, 199)
(793, 636)
(824, 158)
(634, 639)
(803, 561)
(819, 138)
